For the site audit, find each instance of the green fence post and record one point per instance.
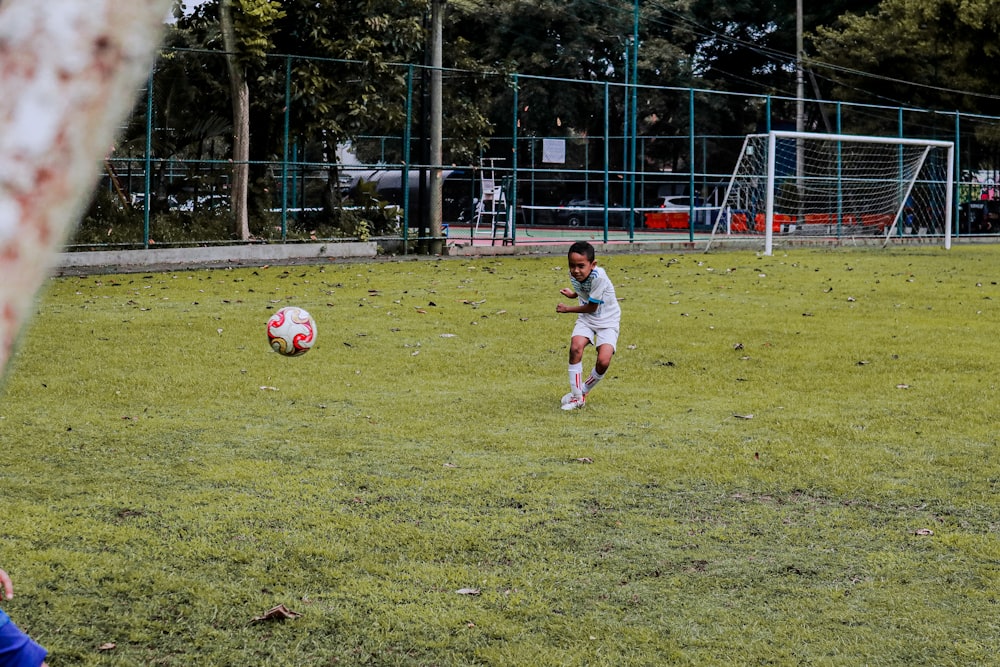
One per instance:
(148, 160)
(296, 177)
(899, 150)
(956, 203)
(634, 120)
(284, 162)
(691, 149)
(607, 150)
(404, 181)
(512, 201)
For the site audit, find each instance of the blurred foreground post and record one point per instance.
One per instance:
(71, 70)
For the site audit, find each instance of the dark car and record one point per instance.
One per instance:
(590, 213)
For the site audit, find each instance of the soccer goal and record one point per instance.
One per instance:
(838, 186)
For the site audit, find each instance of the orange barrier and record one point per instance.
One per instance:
(739, 221)
(882, 221)
(672, 220)
(821, 219)
(760, 223)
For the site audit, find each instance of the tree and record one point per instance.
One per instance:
(942, 54)
(733, 45)
(247, 41)
(343, 82)
(581, 41)
(922, 53)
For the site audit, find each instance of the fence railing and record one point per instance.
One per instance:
(167, 180)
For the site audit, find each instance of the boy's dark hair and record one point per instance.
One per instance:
(582, 248)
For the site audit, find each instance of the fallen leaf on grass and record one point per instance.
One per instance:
(450, 465)
(107, 646)
(585, 459)
(924, 531)
(279, 613)
(468, 591)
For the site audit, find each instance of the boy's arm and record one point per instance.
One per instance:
(7, 586)
(585, 308)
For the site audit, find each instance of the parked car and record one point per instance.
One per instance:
(590, 213)
(675, 211)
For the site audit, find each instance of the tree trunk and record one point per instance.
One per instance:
(437, 18)
(239, 187)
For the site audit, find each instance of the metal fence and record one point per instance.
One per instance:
(639, 149)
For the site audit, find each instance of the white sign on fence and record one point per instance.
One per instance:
(554, 151)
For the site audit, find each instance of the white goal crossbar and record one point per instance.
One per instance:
(854, 184)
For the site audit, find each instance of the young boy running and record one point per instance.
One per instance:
(597, 321)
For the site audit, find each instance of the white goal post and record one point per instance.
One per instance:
(840, 186)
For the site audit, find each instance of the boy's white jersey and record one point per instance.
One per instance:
(597, 288)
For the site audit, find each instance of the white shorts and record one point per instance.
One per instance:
(598, 337)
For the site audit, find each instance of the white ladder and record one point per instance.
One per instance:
(492, 207)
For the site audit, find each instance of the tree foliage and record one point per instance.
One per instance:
(926, 53)
(349, 77)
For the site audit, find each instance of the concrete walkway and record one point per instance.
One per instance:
(222, 256)
(461, 242)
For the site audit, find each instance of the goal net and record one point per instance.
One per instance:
(843, 186)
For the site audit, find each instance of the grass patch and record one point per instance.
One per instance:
(745, 487)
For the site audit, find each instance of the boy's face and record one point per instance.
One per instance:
(579, 266)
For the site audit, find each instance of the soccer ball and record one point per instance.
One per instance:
(291, 331)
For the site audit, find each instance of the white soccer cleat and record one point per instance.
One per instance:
(575, 402)
(568, 397)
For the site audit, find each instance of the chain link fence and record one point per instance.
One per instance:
(515, 148)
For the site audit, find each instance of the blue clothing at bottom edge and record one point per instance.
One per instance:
(16, 648)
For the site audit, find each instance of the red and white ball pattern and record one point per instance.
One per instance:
(291, 331)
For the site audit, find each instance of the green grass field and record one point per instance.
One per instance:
(793, 460)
